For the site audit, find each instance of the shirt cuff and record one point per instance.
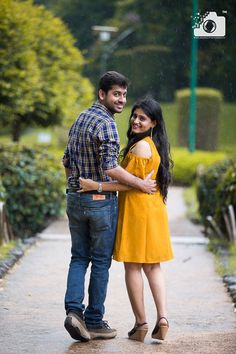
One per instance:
(110, 166)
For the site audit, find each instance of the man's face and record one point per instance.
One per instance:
(115, 99)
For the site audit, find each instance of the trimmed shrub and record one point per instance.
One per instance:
(207, 117)
(186, 164)
(34, 188)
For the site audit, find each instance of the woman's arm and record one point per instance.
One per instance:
(90, 185)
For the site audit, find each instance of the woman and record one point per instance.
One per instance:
(143, 239)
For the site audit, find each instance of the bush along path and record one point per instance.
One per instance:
(230, 283)
(229, 275)
(31, 178)
(216, 192)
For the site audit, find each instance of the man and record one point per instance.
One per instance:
(92, 152)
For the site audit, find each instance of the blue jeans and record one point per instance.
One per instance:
(92, 226)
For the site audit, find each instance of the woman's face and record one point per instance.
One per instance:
(140, 122)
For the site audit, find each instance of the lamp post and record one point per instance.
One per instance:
(193, 84)
(104, 36)
(104, 32)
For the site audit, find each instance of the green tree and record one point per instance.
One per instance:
(81, 15)
(41, 81)
(159, 23)
(168, 23)
(20, 81)
(217, 56)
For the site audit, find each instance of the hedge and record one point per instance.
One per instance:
(207, 117)
(186, 164)
(33, 182)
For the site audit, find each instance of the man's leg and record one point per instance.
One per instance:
(80, 258)
(103, 222)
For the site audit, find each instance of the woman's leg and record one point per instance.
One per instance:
(155, 278)
(134, 284)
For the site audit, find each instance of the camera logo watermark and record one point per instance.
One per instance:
(209, 25)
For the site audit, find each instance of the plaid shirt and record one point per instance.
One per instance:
(93, 145)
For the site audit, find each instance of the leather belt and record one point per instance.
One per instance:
(77, 190)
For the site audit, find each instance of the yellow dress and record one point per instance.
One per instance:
(142, 231)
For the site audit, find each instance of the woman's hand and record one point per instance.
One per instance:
(87, 185)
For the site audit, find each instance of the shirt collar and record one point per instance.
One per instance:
(97, 104)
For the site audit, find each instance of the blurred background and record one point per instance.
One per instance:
(55, 55)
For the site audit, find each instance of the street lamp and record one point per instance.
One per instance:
(104, 32)
(104, 36)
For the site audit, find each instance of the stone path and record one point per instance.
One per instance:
(199, 309)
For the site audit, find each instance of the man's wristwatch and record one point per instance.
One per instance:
(99, 187)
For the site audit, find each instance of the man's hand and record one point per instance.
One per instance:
(148, 185)
(87, 185)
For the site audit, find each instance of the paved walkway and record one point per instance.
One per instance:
(199, 309)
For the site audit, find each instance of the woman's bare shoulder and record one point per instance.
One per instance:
(142, 149)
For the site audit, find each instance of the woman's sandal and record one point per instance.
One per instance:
(160, 329)
(138, 332)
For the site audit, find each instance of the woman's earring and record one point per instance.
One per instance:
(151, 132)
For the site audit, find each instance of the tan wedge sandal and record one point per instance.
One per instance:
(138, 332)
(160, 329)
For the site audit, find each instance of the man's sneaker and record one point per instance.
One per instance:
(76, 327)
(102, 332)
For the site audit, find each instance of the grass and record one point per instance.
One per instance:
(35, 136)
(5, 249)
(225, 256)
(191, 202)
(32, 138)
(227, 128)
(232, 260)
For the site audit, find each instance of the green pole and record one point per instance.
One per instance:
(193, 84)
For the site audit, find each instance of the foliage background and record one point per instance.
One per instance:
(33, 188)
(155, 23)
(41, 79)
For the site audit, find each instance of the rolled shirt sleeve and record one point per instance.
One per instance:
(109, 145)
(66, 157)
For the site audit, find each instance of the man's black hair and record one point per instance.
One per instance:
(111, 78)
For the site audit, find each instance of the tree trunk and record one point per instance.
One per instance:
(16, 131)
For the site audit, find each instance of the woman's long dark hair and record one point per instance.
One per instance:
(153, 110)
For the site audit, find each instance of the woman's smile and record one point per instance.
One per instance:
(140, 122)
